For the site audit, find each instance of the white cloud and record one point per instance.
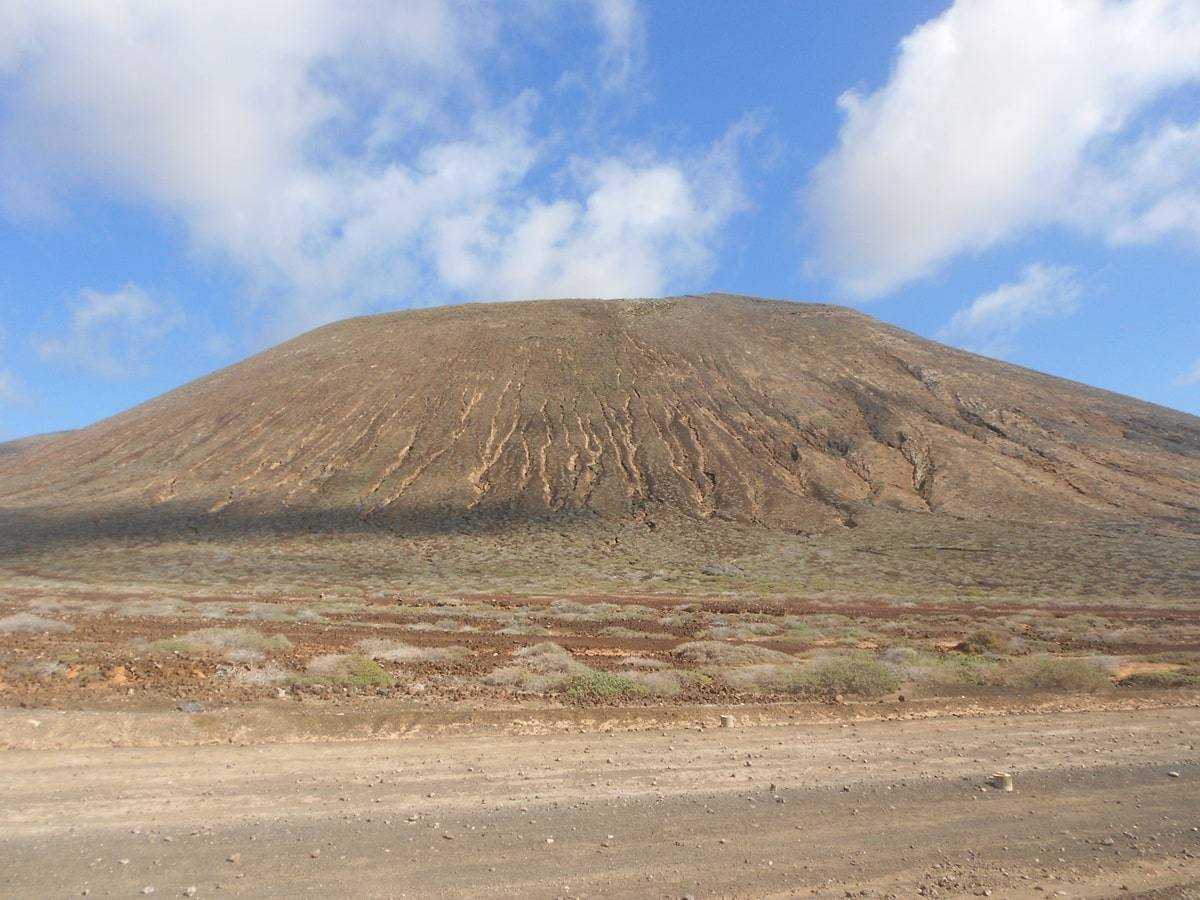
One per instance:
(347, 156)
(1003, 115)
(991, 323)
(1190, 378)
(112, 334)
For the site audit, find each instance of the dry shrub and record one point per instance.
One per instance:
(716, 653)
(548, 658)
(525, 628)
(269, 675)
(766, 679)
(33, 668)
(394, 651)
(620, 631)
(522, 679)
(742, 631)
(163, 608)
(856, 675)
(27, 623)
(662, 683)
(984, 641)
(1054, 673)
(643, 662)
(244, 645)
(539, 668)
(1160, 680)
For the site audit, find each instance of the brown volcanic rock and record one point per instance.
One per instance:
(787, 415)
(792, 416)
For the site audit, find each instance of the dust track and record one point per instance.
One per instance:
(816, 808)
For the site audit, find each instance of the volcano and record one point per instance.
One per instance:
(699, 412)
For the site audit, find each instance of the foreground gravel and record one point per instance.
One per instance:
(1105, 804)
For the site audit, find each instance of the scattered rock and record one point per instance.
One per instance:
(190, 706)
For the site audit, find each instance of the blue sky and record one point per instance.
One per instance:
(184, 184)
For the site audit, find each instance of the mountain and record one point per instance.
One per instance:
(690, 412)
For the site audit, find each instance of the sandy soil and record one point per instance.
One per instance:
(874, 808)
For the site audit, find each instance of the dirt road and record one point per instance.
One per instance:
(1106, 804)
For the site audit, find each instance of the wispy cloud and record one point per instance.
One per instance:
(1190, 378)
(1004, 115)
(110, 334)
(992, 322)
(623, 48)
(10, 392)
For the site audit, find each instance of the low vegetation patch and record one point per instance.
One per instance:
(984, 641)
(1053, 673)
(664, 682)
(548, 658)
(346, 670)
(269, 675)
(717, 653)
(394, 651)
(853, 675)
(162, 608)
(599, 687)
(540, 669)
(28, 623)
(1160, 679)
(643, 662)
(858, 675)
(244, 645)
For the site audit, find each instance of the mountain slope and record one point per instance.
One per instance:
(790, 416)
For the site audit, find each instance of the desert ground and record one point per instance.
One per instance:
(198, 744)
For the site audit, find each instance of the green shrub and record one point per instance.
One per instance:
(348, 670)
(1053, 673)
(597, 687)
(855, 674)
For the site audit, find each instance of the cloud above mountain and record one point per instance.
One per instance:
(1003, 116)
(342, 156)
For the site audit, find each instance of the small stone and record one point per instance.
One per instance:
(315, 853)
(726, 721)
(234, 858)
(189, 891)
(123, 862)
(1172, 774)
(148, 889)
(190, 706)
